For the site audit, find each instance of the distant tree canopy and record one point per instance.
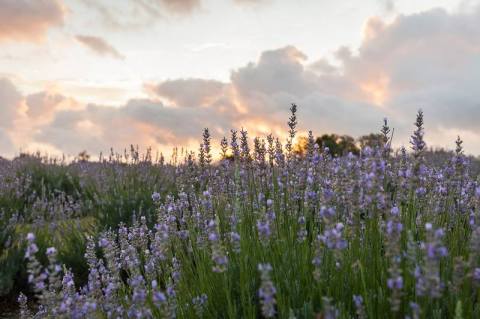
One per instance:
(83, 156)
(339, 145)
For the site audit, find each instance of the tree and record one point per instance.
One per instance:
(337, 145)
(301, 146)
(83, 156)
(347, 145)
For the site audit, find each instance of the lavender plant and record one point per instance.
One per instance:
(265, 232)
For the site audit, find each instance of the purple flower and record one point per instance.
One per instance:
(158, 297)
(476, 274)
(103, 242)
(394, 210)
(267, 291)
(395, 283)
(212, 237)
(357, 300)
(199, 304)
(264, 229)
(51, 251)
(31, 250)
(393, 226)
(156, 197)
(332, 238)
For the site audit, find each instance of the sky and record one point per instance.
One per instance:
(94, 74)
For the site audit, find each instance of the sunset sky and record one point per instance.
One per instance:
(93, 74)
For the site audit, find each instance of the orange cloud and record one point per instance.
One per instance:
(41, 107)
(376, 90)
(29, 20)
(372, 28)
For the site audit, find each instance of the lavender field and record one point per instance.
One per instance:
(267, 231)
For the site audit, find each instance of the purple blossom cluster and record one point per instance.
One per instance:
(267, 291)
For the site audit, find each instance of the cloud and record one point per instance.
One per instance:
(323, 66)
(142, 122)
(41, 107)
(387, 5)
(327, 101)
(276, 71)
(132, 14)
(249, 2)
(24, 115)
(257, 98)
(99, 46)
(189, 92)
(180, 6)
(29, 20)
(42, 103)
(10, 103)
(427, 60)
(8, 148)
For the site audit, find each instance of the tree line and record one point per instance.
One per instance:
(339, 145)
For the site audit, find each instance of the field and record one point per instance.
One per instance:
(267, 231)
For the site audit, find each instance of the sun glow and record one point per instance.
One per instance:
(376, 90)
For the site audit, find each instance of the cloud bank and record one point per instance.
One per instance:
(428, 60)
